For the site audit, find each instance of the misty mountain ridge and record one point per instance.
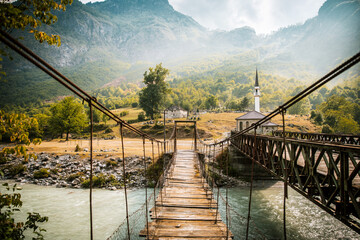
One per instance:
(151, 30)
(128, 36)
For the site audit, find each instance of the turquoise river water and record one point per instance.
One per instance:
(68, 212)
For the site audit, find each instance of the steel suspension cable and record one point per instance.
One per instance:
(161, 190)
(212, 178)
(91, 170)
(124, 179)
(146, 200)
(52, 72)
(218, 187)
(285, 175)
(228, 218)
(251, 186)
(153, 162)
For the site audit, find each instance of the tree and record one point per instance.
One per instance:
(15, 128)
(244, 104)
(300, 108)
(25, 14)
(96, 115)
(152, 97)
(211, 102)
(347, 124)
(318, 119)
(9, 229)
(67, 116)
(232, 104)
(340, 114)
(104, 118)
(333, 103)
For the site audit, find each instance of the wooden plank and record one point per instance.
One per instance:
(185, 208)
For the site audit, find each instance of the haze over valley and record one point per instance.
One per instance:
(112, 43)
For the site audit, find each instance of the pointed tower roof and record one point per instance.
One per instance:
(256, 79)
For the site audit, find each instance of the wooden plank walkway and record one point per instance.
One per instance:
(185, 207)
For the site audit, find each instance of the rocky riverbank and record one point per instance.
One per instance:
(72, 171)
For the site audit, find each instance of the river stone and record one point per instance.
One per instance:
(75, 182)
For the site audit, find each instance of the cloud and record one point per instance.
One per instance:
(263, 15)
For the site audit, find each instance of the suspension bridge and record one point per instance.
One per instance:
(324, 169)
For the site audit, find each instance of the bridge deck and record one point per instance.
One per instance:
(185, 207)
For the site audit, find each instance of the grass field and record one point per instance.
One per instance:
(133, 114)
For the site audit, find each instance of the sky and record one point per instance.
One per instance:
(265, 16)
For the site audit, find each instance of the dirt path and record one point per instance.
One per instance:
(102, 147)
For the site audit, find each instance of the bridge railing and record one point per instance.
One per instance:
(326, 174)
(322, 137)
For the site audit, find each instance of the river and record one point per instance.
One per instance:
(68, 212)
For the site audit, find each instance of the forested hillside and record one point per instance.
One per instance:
(115, 41)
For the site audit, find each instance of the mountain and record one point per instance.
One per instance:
(128, 30)
(106, 41)
(324, 40)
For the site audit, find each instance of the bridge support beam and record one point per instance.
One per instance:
(195, 138)
(175, 146)
(344, 175)
(326, 174)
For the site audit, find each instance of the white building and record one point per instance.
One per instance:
(175, 112)
(249, 118)
(257, 93)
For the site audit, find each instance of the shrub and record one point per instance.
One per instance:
(77, 148)
(72, 177)
(42, 173)
(318, 119)
(112, 180)
(327, 129)
(124, 113)
(157, 126)
(98, 181)
(154, 171)
(141, 116)
(99, 127)
(134, 104)
(313, 114)
(16, 169)
(111, 163)
(108, 130)
(132, 121)
(3, 159)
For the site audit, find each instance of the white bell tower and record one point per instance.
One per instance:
(257, 93)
